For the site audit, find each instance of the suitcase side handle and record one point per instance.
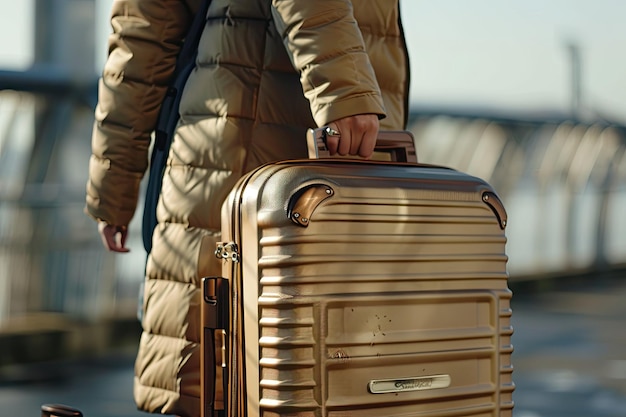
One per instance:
(391, 146)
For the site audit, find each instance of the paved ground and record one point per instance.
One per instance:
(570, 361)
(570, 352)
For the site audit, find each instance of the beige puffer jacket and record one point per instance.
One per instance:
(266, 71)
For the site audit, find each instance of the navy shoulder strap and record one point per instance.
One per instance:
(167, 121)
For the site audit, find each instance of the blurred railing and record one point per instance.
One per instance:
(563, 183)
(51, 258)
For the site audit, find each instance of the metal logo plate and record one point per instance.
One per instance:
(418, 383)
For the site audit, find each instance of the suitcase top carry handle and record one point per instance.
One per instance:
(391, 146)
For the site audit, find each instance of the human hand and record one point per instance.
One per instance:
(113, 237)
(357, 135)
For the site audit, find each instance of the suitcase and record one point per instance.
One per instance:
(359, 288)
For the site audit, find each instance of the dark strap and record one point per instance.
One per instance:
(209, 373)
(214, 316)
(167, 120)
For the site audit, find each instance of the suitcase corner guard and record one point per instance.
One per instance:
(304, 202)
(496, 205)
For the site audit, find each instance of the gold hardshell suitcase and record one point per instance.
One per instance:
(360, 288)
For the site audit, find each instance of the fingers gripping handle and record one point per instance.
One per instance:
(391, 145)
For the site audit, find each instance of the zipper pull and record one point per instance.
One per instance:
(227, 251)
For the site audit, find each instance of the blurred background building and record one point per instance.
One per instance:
(529, 95)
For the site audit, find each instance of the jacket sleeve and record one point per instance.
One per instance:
(326, 46)
(144, 43)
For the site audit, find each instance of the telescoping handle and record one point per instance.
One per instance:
(214, 317)
(391, 145)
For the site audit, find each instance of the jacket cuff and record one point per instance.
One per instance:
(335, 110)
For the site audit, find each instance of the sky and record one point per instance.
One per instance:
(500, 55)
(514, 54)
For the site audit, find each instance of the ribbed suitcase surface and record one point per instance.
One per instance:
(367, 289)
